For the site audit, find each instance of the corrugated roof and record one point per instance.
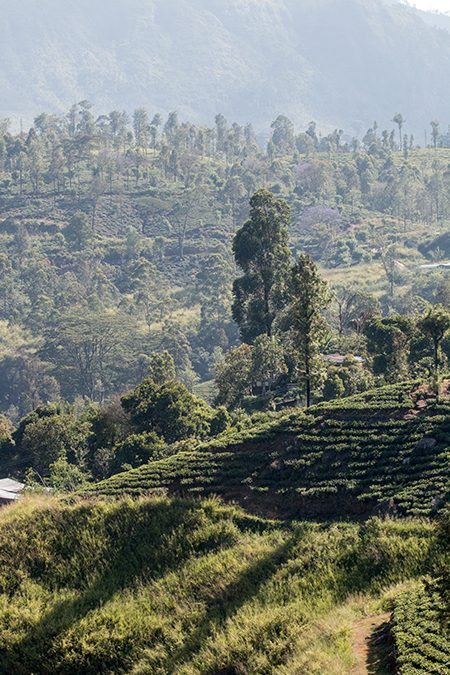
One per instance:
(8, 496)
(10, 485)
(10, 489)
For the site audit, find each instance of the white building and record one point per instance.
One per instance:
(9, 490)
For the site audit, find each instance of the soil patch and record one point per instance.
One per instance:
(372, 645)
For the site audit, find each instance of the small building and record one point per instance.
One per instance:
(9, 490)
(338, 359)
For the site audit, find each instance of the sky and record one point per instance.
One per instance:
(441, 5)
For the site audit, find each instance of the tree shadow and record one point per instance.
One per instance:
(146, 542)
(380, 657)
(140, 552)
(231, 599)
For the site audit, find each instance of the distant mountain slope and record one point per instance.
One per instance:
(340, 459)
(337, 61)
(437, 19)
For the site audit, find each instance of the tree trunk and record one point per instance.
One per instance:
(308, 378)
(266, 307)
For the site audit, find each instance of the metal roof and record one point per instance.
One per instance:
(8, 496)
(11, 485)
(10, 489)
(433, 266)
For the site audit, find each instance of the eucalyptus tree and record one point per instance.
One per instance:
(309, 295)
(399, 121)
(261, 250)
(435, 132)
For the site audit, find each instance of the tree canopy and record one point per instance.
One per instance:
(168, 410)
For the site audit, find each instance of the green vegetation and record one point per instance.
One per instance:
(260, 249)
(116, 243)
(124, 258)
(136, 253)
(151, 586)
(340, 459)
(421, 644)
(113, 255)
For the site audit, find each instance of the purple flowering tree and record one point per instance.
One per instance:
(319, 214)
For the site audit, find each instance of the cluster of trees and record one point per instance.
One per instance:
(74, 446)
(116, 241)
(279, 308)
(185, 167)
(273, 297)
(280, 305)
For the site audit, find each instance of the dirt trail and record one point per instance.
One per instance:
(371, 646)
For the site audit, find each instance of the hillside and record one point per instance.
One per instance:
(345, 459)
(341, 63)
(98, 222)
(158, 586)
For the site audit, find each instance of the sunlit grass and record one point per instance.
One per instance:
(158, 586)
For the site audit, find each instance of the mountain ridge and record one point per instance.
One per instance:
(339, 62)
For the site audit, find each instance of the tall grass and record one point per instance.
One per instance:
(161, 587)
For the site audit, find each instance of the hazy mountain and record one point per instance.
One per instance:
(435, 18)
(343, 63)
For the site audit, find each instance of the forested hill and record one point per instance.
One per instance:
(335, 61)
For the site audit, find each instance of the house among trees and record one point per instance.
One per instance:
(9, 490)
(338, 359)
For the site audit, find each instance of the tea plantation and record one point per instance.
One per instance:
(385, 449)
(421, 644)
(121, 581)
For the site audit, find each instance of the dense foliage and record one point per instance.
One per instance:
(421, 644)
(384, 451)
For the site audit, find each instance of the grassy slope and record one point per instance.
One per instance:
(158, 586)
(338, 459)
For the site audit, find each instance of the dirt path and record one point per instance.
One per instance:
(371, 646)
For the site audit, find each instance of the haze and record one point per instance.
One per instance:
(431, 5)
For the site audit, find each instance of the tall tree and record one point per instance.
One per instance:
(140, 127)
(221, 132)
(91, 353)
(309, 294)
(399, 120)
(283, 135)
(150, 288)
(435, 132)
(388, 345)
(191, 205)
(233, 376)
(435, 323)
(261, 250)
(354, 306)
(77, 232)
(161, 367)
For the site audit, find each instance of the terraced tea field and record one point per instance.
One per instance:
(389, 445)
